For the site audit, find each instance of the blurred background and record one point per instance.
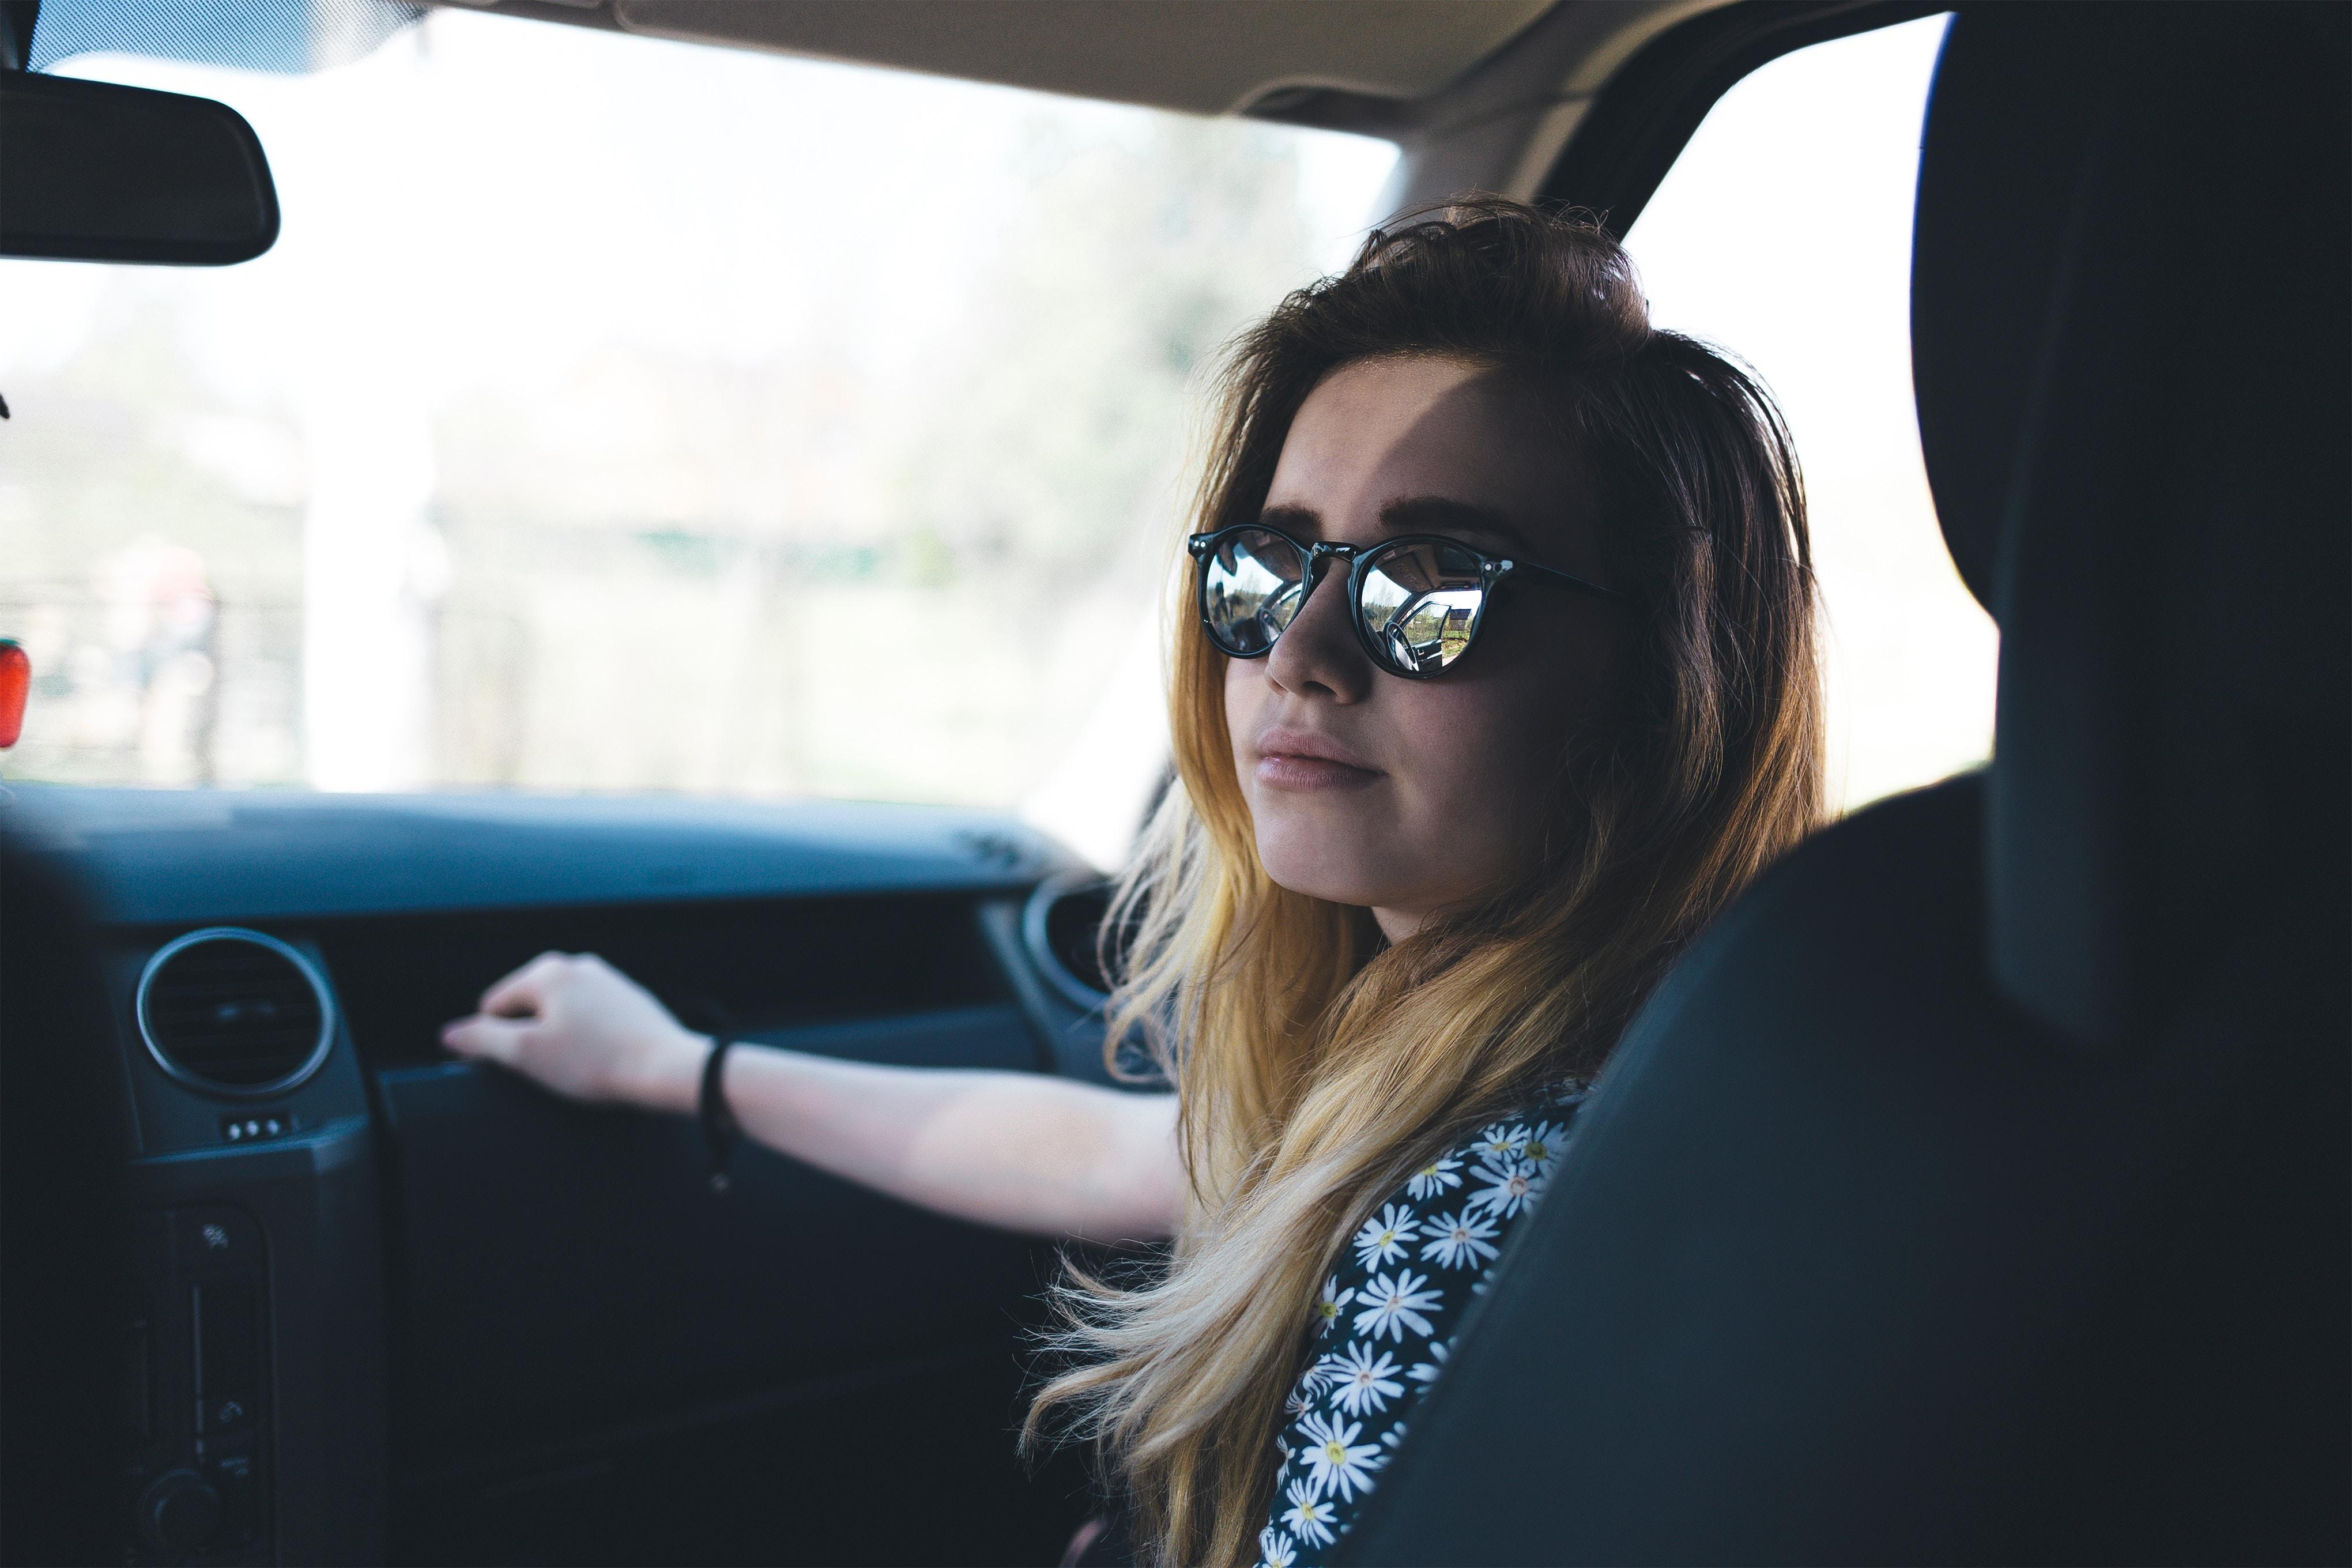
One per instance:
(622, 415)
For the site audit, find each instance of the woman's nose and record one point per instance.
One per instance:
(1316, 654)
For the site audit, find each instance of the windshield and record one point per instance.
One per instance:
(617, 414)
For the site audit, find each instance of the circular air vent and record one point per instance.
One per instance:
(235, 1012)
(1060, 928)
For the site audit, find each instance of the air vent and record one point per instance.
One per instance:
(1060, 928)
(235, 1012)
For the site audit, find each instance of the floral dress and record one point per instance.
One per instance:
(1382, 1321)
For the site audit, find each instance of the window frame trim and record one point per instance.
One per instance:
(1646, 114)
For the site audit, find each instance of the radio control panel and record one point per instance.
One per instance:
(197, 1367)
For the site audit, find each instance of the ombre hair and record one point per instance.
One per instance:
(1316, 1067)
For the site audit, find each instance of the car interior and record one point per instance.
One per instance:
(1976, 1190)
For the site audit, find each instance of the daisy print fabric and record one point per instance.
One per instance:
(1379, 1326)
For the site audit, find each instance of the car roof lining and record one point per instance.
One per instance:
(1208, 57)
(1204, 57)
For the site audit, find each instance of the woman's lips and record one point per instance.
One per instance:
(1289, 760)
(1311, 772)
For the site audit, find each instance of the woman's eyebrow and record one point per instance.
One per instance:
(1443, 514)
(1292, 517)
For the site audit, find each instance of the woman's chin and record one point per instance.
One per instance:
(1314, 870)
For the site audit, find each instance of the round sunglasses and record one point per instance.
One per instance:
(1417, 602)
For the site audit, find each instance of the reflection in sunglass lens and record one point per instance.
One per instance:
(1250, 589)
(1421, 603)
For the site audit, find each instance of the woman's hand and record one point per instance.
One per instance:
(577, 1026)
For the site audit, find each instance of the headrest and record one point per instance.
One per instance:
(2010, 126)
(2130, 344)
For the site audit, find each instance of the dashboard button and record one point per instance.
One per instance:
(228, 1352)
(216, 1236)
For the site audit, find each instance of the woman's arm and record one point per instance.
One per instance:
(1029, 1153)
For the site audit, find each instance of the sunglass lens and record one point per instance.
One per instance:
(1249, 590)
(1421, 602)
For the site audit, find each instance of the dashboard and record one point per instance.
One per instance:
(391, 1305)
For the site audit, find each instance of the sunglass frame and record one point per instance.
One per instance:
(1493, 571)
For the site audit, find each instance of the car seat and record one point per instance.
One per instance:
(65, 1144)
(1977, 1189)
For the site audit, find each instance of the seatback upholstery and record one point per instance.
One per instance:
(1979, 1188)
(65, 1144)
(2128, 319)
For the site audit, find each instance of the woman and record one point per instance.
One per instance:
(1497, 683)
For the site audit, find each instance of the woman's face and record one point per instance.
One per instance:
(1407, 796)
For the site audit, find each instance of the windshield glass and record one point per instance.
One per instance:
(617, 414)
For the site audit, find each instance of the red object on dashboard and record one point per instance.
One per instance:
(16, 679)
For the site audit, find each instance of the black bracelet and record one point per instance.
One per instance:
(719, 1128)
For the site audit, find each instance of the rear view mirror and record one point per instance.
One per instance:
(91, 171)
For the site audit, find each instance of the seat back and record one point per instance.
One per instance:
(1978, 1187)
(66, 1144)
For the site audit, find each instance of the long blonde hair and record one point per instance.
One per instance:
(1316, 1069)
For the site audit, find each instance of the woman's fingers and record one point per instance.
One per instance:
(525, 990)
(491, 1039)
(574, 1024)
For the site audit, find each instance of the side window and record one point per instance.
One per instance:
(1783, 233)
